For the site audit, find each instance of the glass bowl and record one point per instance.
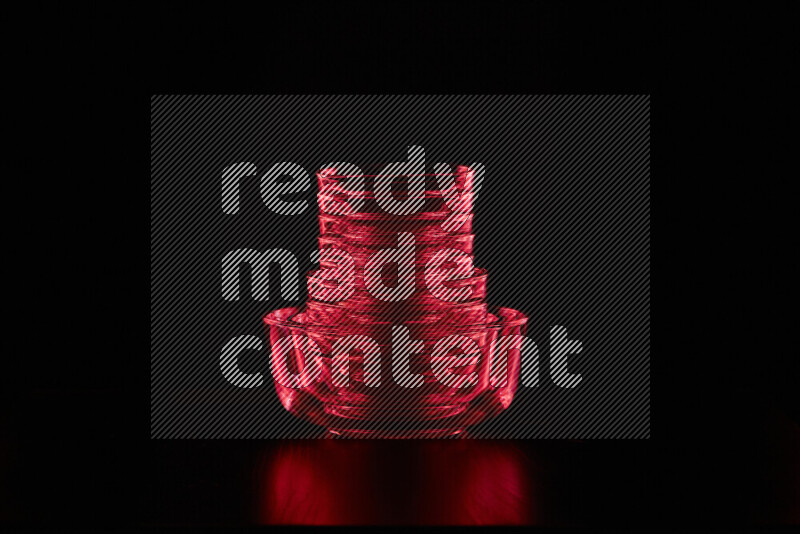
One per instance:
(356, 407)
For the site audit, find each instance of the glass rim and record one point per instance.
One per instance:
(443, 239)
(480, 273)
(506, 318)
(384, 217)
(374, 170)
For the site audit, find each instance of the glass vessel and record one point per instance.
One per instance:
(461, 358)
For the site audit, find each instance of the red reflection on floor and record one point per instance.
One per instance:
(476, 483)
(350, 482)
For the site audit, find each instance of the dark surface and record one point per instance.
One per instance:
(450, 482)
(750, 476)
(741, 468)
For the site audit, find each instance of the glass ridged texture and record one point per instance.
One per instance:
(360, 408)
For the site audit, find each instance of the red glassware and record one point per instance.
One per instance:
(476, 285)
(367, 224)
(391, 410)
(359, 392)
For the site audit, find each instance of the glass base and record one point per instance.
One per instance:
(334, 433)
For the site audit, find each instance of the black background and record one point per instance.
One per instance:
(724, 445)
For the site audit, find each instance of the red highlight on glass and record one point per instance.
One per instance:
(396, 339)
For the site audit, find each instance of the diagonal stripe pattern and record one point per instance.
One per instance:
(563, 219)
